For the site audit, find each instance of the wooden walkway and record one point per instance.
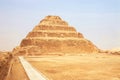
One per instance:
(32, 73)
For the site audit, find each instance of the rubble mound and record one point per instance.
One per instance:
(54, 36)
(5, 60)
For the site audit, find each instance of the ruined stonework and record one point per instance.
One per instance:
(54, 36)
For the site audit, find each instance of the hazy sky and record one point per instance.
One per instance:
(98, 20)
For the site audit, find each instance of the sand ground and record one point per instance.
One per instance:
(78, 67)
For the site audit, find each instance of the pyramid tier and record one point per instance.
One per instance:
(58, 34)
(61, 45)
(38, 40)
(45, 27)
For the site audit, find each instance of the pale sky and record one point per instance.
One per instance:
(97, 20)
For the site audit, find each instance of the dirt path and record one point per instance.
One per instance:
(17, 71)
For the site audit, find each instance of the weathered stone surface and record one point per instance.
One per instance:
(54, 36)
(46, 27)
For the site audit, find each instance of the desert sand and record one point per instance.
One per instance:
(78, 67)
(70, 67)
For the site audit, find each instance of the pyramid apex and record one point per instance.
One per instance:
(52, 20)
(52, 17)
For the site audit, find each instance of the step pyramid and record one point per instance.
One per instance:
(54, 36)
